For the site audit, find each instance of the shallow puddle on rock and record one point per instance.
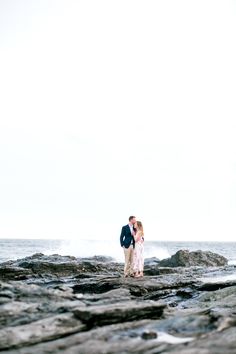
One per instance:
(161, 337)
(219, 278)
(168, 338)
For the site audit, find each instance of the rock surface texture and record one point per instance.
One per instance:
(184, 258)
(56, 304)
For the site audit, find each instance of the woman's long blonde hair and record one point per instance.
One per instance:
(140, 227)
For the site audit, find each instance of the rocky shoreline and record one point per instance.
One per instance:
(63, 304)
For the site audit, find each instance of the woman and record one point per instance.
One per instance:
(138, 250)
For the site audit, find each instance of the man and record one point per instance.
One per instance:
(127, 242)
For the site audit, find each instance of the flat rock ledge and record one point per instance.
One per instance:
(56, 304)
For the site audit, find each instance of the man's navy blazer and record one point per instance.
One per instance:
(126, 238)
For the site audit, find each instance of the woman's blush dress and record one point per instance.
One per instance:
(138, 253)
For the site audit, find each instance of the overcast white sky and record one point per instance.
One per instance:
(111, 108)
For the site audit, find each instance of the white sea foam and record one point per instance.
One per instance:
(168, 338)
(89, 248)
(232, 262)
(19, 248)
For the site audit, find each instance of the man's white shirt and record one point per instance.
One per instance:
(131, 228)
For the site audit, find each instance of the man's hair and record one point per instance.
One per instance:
(131, 217)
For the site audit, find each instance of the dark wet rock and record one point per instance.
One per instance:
(212, 286)
(38, 331)
(116, 338)
(7, 272)
(55, 304)
(188, 322)
(151, 261)
(109, 297)
(39, 265)
(149, 335)
(26, 303)
(156, 270)
(220, 302)
(62, 266)
(96, 286)
(100, 259)
(119, 312)
(184, 258)
(138, 287)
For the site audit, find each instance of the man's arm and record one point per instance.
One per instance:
(122, 236)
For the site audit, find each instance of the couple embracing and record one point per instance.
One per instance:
(132, 239)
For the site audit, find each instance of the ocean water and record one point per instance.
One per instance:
(20, 248)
